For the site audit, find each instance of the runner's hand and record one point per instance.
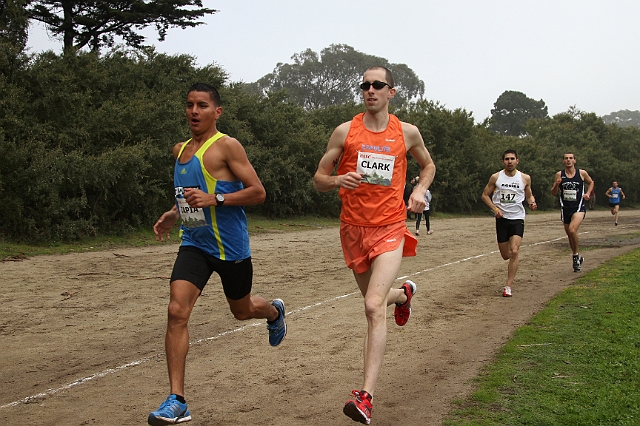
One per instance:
(197, 198)
(163, 226)
(416, 202)
(350, 180)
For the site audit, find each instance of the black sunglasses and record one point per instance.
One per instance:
(376, 85)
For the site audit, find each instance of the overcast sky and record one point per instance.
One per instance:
(582, 53)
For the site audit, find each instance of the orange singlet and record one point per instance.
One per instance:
(373, 215)
(382, 159)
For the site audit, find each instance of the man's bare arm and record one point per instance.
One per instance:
(415, 145)
(324, 180)
(488, 192)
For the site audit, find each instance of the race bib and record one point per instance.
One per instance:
(570, 194)
(507, 196)
(376, 169)
(191, 217)
(614, 196)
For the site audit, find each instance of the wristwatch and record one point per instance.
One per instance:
(219, 199)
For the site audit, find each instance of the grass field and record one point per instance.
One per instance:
(576, 363)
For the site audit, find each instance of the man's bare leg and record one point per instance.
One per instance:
(375, 286)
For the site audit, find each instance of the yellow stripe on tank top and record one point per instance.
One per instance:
(211, 188)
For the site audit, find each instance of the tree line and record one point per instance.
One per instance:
(86, 136)
(86, 144)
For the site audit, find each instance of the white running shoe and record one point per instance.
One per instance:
(506, 292)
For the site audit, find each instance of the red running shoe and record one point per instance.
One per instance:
(359, 409)
(403, 312)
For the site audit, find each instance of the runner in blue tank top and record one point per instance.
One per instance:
(569, 186)
(616, 195)
(213, 181)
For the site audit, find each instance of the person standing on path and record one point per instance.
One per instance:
(370, 154)
(504, 195)
(592, 199)
(408, 189)
(569, 186)
(614, 193)
(426, 212)
(213, 181)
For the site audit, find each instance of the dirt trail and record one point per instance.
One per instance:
(82, 335)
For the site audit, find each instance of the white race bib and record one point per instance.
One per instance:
(376, 169)
(191, 217)
(507, 196)
(570, 194)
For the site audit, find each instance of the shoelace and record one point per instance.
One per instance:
(169, 404)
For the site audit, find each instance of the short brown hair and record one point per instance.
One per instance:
(388, 75)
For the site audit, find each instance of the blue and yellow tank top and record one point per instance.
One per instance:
(218, 231)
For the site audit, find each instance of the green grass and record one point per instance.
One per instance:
(576, 363)
(145, 237)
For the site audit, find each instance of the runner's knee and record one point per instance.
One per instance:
(514, 253)
(178, 312)
(375, 308)
(243, 313)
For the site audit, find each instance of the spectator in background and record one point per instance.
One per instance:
(592, 199)
(426, 212)
(408, 189)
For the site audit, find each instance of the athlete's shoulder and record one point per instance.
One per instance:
(177, 147)
(525, 178)
(409, 129)
(343, 129)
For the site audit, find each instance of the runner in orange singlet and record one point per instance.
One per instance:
(370, 152)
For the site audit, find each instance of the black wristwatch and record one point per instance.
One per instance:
(219, 199)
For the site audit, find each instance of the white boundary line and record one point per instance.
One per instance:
(108, 371)
(477, 257)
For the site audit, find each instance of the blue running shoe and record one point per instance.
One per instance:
(277, 329)
(171, 411)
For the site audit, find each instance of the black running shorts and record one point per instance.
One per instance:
(567, 214)
(506, 228)
(195, 266)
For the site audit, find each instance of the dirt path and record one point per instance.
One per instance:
(82, 335)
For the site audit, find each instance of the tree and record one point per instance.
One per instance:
(512, 110)
(13, 35)
(319, 80)
(464, 153)
(96, 23)
(623, 118)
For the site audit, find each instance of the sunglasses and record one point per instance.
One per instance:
(376, 85)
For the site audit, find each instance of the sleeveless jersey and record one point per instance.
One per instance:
(381, 157)
(509, 195)
(571, 191)
(218, 231)
(615, 195)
